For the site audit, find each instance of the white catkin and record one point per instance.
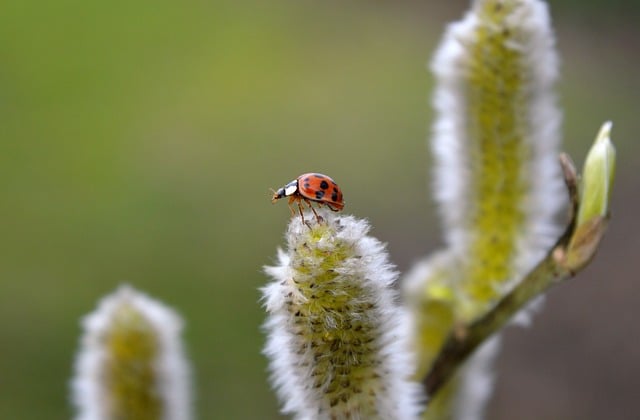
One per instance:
(90, 393)
(534, 41)
(545, 197)
(337, 337)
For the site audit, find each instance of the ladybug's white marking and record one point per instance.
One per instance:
(291, 188)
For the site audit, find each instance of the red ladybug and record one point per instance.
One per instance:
(309, 188)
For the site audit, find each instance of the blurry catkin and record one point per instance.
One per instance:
(131, 365)
(497, 178)
(337, 337)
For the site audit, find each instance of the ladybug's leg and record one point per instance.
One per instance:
(301, 213)
(291, 200)
(318, 218)
(297, 200)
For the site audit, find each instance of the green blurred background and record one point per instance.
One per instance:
(139, 141)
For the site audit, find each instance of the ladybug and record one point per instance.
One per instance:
(308, 188)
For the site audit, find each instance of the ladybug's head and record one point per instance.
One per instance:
(288, 190)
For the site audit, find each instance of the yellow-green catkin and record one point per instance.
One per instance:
(336, 335)
(129, 372)
(430, 293)
(512, 182)
(431, 296)
(131, 365)
(497, 124)
(497, 177)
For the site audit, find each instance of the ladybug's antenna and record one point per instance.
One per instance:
(275, 195)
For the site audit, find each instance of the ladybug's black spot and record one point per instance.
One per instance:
(324, 184)
(319, 195)
(319, 176)
(306, 179)
(334, 196)
(307, 185)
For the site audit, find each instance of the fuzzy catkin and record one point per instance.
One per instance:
(337, 336)
(131, 365)
(497, 181)
(497, 175)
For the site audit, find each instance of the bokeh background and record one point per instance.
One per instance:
(139, 140)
